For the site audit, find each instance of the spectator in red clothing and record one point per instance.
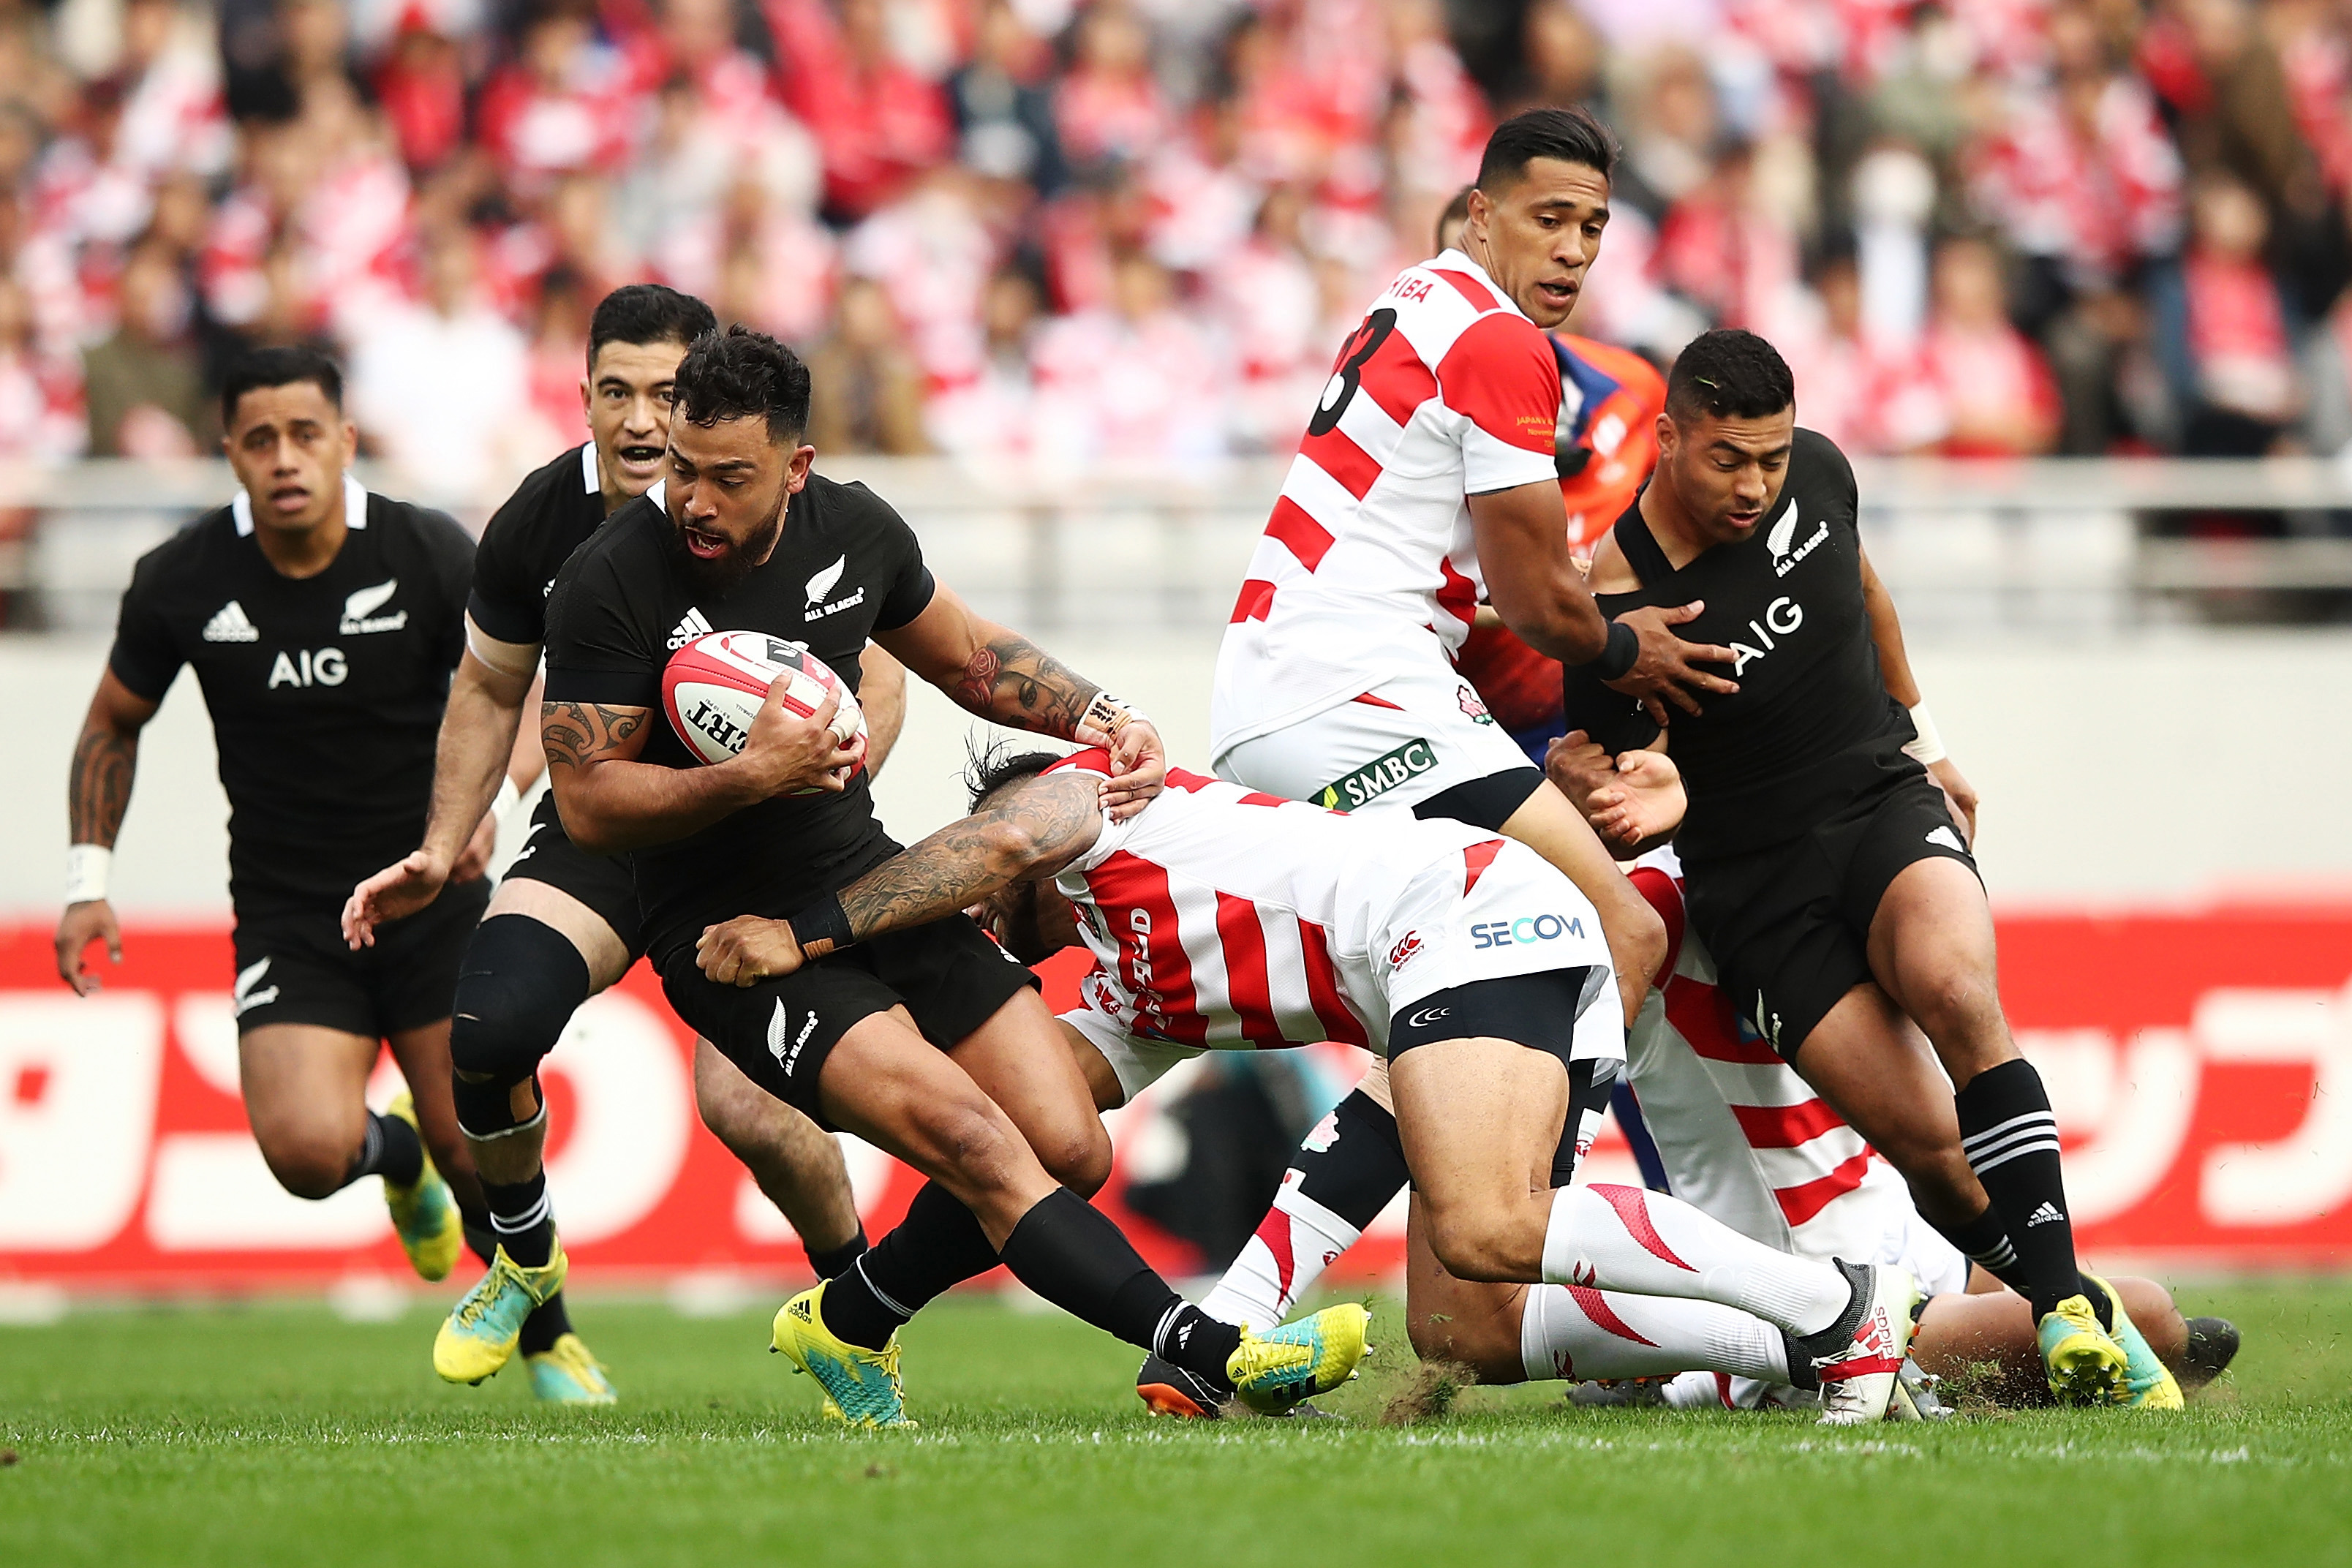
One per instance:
(1109, 108)
(1998, 393)
(422, 86)
(1137, 382)
(2243, 389)
(563, 106)
(880, 122)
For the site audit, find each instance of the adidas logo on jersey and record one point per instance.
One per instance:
(230, 624)
(2046, 1215)
(357, 620)
(686, 630)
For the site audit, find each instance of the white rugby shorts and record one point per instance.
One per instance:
(1407, 739)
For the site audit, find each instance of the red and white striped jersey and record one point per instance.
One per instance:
(1741, 1134)
(1367, 566)
(1223, 918)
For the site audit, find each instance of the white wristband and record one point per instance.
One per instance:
(86, 868)
(1929, 746)
(508, 795)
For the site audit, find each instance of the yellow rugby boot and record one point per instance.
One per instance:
(479, 1336)
(423, 1214)
(565, 1374)
(2084, 1365)
(861, 1387)
(2147, 1383)
(1274, 1371)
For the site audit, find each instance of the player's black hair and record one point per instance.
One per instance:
(647, 313)
(284, 366)
(1730, 374)
(1571, 135)
(1456, 211)
(991, 766)
(740, 372)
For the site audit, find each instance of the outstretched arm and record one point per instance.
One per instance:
(1024, 832)
(1894, 669)
(476, 753)
(997, 673)
(98, 792)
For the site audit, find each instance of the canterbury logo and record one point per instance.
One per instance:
(230, 624)
(247, 979)
(359, 608)
(686, 630)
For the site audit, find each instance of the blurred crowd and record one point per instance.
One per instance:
(1134, 229)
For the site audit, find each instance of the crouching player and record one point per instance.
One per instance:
(1221, 918)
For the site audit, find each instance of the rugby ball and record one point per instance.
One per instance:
(712, 688)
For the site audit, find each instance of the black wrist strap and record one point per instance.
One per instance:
(824, 920)
(1618, 654)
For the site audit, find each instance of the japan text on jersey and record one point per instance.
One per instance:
(1444, 391)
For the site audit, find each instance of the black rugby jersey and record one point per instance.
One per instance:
(846, 565)
(325, 693)
(1812, 726)
(528, 539)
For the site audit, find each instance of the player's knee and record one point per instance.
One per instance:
(1468, 1243)
(1960, 1009)
(308, 1164)
(521, 983)
(1078, 1156)
(983, 1152)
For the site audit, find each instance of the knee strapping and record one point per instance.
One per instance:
(520, 985)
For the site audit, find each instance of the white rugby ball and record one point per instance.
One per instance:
(713, 686)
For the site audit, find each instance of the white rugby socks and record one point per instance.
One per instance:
(1571, 1333)
(1294, 1243)
(1614, 1237)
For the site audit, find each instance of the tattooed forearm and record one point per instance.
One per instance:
(1013, 681)
(575, 733)
(98, 789)
(1033, 827)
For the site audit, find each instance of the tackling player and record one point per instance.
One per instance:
(563, 924)
(1822, 841)
(931, 1044)
(1223, 919)
(322, 623)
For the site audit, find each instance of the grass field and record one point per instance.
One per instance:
(280, 1433)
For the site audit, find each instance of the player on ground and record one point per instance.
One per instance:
(931, 1044)
(1827, 867)
(1222, 919)
(322, 623)
(563, 924)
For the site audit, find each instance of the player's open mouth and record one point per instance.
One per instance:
(1560, 294)
(703, 546)
(641, 458)
(289, 498)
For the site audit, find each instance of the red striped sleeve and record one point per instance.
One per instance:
(1702, 1014)
(1785, 1126)
(1501, 375)
(1323, 991)
(1806, 1199)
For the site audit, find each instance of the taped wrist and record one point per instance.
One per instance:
(1618, 654)
(1104, 717)
(824, 920)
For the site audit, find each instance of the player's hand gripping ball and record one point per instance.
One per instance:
(713, 686)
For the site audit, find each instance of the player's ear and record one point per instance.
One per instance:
(587, 397)
(796, 472)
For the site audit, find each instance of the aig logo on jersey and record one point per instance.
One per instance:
(358, 611)
(327, 667)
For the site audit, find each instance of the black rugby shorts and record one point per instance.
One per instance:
(948, 974)
(293, 966)
(603, 882)
(1788, 926)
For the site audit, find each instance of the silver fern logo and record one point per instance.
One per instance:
(357, 610)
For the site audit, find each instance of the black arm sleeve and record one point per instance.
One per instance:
(145, 656)
(596, 652)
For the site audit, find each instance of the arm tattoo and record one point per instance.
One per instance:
(1038, 826)
(1013, 681)
(576, 733)
(98, 788)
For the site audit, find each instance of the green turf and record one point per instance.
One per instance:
(277, 1434)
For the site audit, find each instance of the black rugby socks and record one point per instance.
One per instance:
(1070, 1253)
(2012, 1141)
(939, 1244)
(388, 1148)
(832, 1260)
(522, 1219)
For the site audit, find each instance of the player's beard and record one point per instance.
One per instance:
(715, 580)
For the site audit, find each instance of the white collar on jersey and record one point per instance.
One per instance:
(354, 507)
(1458, 260)
(659, 494)
(590, 481)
